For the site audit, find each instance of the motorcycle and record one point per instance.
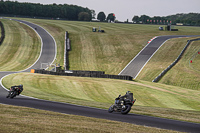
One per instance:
(123, 104)
(14, 91)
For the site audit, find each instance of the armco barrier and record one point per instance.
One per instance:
(174, 63)
(67, 48)
(95, 74)
(68, 44)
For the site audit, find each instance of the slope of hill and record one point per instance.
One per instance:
(20, 48)
(152, 99)
(184, 74)
(110, 52)
(104, 51)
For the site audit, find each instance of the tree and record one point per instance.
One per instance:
(84, 16)
(111, 17)
(144, 18)
(135, 19)
(93, 14)
(101, 16)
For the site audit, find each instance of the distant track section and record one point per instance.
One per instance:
(136, 65)
(48, 47)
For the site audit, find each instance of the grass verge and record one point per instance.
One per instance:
(184, 73)
(21, 119)
(20, 48)
(152, 99)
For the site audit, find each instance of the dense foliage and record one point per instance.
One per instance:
(111, 17)
(185, 19)
(69, 12)
(101, 16)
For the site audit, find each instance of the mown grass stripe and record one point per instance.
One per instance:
(21, 47)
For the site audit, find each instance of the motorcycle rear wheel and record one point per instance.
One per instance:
(127, 109)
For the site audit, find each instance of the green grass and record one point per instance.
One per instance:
(15, 119)
(196, 57)
(21, 47)
(109, 52)
(116, 47)
(101, 93)
(104, 51)
(183, 74)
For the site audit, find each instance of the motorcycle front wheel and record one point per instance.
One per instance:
(13, 94)
(126, 109)
(110, 110)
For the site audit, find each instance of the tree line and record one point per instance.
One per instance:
(74, 12)
(102, 17)
(181, 18)
(61, 11)
(192, 19)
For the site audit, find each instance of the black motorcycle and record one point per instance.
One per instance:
(123, 104)
(14, 91)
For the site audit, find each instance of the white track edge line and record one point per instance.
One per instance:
(136, 56)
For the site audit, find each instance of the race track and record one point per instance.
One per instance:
(135, 66)
(48, 55)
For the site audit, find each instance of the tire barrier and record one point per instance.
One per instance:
(78, 73)
(2, 33)
(174, 63)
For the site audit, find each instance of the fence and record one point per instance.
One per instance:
(78, 73)
(174, 63)
(2, 33)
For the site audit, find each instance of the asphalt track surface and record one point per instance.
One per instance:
(49, 55)
(136, 65)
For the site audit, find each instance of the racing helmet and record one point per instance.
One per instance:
(128, 92)
(21, 85)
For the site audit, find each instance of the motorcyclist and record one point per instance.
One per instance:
(128, 95)
(123, 103)
(15, 90)
(19, 88)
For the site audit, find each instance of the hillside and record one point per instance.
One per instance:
(20, 48)
(104, 51)
(117, 46)
(184, 73)
(152, 99)
(110, 52)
